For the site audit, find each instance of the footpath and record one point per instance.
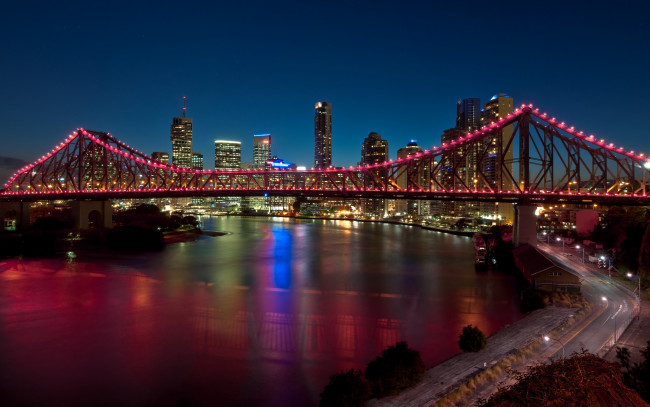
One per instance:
(635, 337)
(446, 376)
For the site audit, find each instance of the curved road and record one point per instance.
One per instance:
(614, 306)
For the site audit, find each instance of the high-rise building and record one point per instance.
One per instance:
(455, 174)
(373, 151)
(197, 161)
(261, 150)
(494, 110)
(163, 157)
(323, 135)
(227, 155)
(468, 114)
(411, 206)
(181, 137)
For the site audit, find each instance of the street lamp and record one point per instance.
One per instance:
(583, 252)
(562, 239)
(629, 275)
(547, 338)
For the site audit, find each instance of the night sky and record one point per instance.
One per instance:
(393, 67)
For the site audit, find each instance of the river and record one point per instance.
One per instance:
(261, 316)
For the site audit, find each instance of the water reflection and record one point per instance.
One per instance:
(261, 316)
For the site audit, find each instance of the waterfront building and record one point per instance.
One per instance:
(411, 207)
(468, 114)
(454, 174)
(181, 138)
(261, 150)
(493, 110)
(374, 150)
(163, 157)
(323, 135)
(227, 155)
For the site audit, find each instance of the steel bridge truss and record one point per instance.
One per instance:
(523, 156)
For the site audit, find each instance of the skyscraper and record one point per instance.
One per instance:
(494, 110)
(411, 206)
(373, 151)
(181, 137)
(227, 155)
(468, 114)
(323, 135)
(261, 150)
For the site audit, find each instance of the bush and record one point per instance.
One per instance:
(347, 389)
(396, 369)
(136, 238)
(472, 339)
(531, 300)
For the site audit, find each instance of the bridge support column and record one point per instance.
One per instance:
(92, 214)
(14, 215)
(524, 226)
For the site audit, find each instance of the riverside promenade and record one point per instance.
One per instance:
(448, 375)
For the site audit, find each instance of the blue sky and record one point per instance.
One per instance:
(393, 67)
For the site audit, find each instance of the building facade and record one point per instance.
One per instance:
(227, 155)
(161, 156)
(411, 207)
(492, 168)
(323, 135)
(261, 150)
(468, 114)
(374, 150)
(197, 161)
(181, 138)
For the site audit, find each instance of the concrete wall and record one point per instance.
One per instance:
(82, 209)
(21, 210)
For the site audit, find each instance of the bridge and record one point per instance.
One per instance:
(538, 160)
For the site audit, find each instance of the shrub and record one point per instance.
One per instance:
(531, 300)
(396, 369)
(472, 339)
(346, 389)
(136, 238)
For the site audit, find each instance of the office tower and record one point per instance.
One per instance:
(261, 150)
(181, 137)
(227, 155)
(494, 110)
(468, 114)
(323, 135)
(454, 173)
(373, 151)
(197, 161)
(163, 157)
(411, 206)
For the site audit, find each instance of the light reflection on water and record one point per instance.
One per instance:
(260, 316)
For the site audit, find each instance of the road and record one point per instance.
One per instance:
(614, 306)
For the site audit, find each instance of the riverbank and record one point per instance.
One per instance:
(448, 376)
(390, 221)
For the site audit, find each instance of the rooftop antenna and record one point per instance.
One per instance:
(184, 108)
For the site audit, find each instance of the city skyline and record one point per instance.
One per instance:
(383, 73)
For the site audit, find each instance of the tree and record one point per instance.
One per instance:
(396, 369)
(472, 339)
(636, 376)
(346, 389)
